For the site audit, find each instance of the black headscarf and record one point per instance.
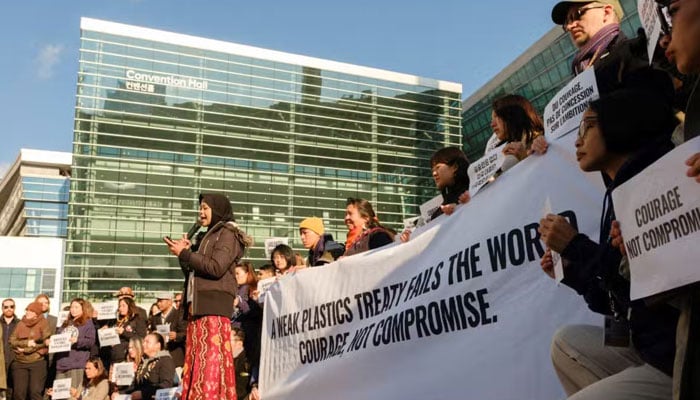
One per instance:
(220, 207)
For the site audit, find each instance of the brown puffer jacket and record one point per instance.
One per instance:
(213, 285)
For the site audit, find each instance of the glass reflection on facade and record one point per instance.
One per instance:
(45, 206)
(161, 117)
(538, 80)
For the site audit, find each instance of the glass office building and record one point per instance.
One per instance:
(161, 117)
(537, 74)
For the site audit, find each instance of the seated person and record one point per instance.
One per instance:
(156, 370)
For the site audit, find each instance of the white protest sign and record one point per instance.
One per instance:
(118, 396)
(106, 310)
(263, 286)
(482, 170)
(62, 317)
(108, 337)
(563, 113)
(271, 243)
(61, 388)
(469, 287)
(123, 373)
(166, 394)
(429, 207)
(59, 343)
(164, 330)
(659, 215)
(649, 17)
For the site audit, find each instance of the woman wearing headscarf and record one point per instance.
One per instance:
(210, 291)
(28, 341)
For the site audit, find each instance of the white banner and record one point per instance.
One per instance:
(563, 113)
(59, 343)
(167, 394)
(649, 17)
(659, 215)
(461, 311)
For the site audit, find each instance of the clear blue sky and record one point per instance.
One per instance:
(463, 41)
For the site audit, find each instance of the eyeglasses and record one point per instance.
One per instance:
(576, 16)
(664, 18)
(8, 307)
(177, 301)
(586, 124)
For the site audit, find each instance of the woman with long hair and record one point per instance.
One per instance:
(373, 234)
(248, 316)
(210, 290)
(96, 384)
(82, 336)
(129, 324)
(516, 123)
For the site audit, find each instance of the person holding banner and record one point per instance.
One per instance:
(282, 257)
(449, 168)
(210, 290)
(322, 248)
(621, 134)
(82, 336)
(516, 123)
(373, 235)
(28, 343)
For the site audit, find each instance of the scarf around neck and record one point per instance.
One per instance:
(595, 47)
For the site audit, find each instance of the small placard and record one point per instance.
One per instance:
(271, 243)
(428, 208)
(106, 310)
(59, 343)
(123, 373)
(62, 317)
(108, 337)
(564, 112)
(166, 394)
(61, 388)
(164, 330)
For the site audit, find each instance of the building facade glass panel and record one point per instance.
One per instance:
(157, 122)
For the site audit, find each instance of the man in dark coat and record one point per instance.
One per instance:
(177, 328)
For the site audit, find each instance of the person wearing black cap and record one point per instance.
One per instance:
(210, 290)
(594, 28)
(621, 134)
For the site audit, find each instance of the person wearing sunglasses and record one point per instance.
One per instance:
(594, 28)
(9, 323)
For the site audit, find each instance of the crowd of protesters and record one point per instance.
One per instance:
(213, 329)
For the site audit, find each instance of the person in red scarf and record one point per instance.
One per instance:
(372, 233)
(28, 342)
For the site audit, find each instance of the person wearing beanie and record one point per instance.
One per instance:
(322, 248)
(29, 368)
(621, 134)
(209, 293)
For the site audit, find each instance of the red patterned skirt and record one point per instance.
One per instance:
(208, 372)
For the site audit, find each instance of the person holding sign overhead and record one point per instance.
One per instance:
(82, 337)
(28, 343)
(210, 290)
(621, 134)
